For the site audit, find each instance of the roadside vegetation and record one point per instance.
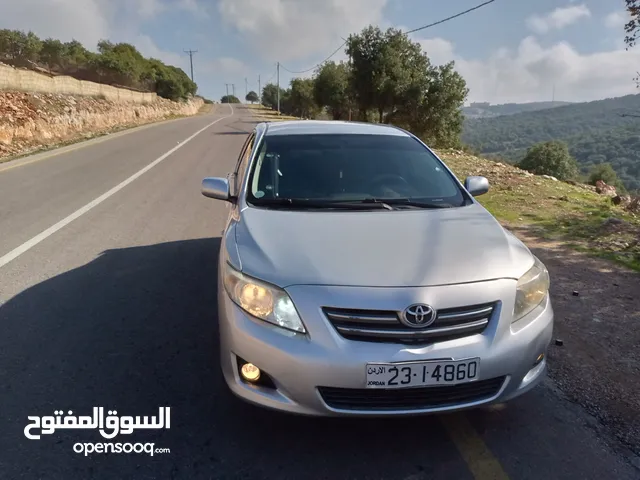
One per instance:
(229, 99)
(265, 114)
(117, 64)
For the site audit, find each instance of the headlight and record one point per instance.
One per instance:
(261, 300)
(531, 290)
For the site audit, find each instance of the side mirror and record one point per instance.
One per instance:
(215, 187)
(476, 185)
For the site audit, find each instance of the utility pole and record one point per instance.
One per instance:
(278, 70)
(246, 88)
(259, 91)
(191, 52)
(227, 86)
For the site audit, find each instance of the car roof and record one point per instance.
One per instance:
(310, 127)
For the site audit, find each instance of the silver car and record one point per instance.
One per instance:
(357, 276)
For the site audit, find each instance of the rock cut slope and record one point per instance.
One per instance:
(33, 121)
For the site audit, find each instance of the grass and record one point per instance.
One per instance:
(555, 210)
(206, 108)
(265, 114)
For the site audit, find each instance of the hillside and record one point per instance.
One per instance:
(596, 132)
(488, 111)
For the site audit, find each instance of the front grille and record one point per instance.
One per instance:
(385, 325)
(373, 399)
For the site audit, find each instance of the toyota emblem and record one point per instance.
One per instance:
(418, 315)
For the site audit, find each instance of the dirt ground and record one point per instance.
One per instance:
(597, 318)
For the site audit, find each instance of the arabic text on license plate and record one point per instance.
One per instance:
(416, 374)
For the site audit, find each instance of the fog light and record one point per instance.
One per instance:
(539, 359)
(250, 372)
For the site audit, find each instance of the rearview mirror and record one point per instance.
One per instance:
(215, 187)
(476, 185)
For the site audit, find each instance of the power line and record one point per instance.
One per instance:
(407, 33)
(315, 66)
(270, 78)
(450, 18)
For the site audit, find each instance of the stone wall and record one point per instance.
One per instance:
(29, 81)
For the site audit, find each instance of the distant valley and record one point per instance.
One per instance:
(596, 132)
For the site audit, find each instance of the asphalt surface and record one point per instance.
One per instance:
(116, 308)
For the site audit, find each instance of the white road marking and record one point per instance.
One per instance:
(16, 252)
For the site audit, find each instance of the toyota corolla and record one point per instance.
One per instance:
(358, 276)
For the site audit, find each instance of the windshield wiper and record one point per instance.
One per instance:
(310, 203)
(390, 202)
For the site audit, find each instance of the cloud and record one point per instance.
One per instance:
(227, 66)
(148, 48)
(87, 21)
(290, 30)
(616, 19)
(558, 19)
(148, 8)
(530, 72)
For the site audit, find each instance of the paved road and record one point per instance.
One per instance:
(115, 305)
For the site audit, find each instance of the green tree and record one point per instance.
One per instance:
(550, 158)
(52, 53)
(301, 101)
(632, 27)
(331, 89)
(173, 83)
(270, 96)
(433, 112)
(75, 57)
(387, 70)
(286, 105)
(8, 41)
(229, 99)
(19, 48)
(392, 75)
(252, 97)
(119, 63)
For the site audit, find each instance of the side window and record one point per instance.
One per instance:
(243, 162)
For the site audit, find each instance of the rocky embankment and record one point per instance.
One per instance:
(32, 121)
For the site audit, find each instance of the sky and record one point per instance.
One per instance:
(508, 51)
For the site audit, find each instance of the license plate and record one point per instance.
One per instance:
(418, 374)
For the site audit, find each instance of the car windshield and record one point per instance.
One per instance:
(325, 169)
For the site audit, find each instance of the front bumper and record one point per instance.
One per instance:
(301, 364)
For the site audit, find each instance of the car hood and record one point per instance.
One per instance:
(378, 248)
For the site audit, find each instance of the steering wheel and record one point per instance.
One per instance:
(388, 178)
